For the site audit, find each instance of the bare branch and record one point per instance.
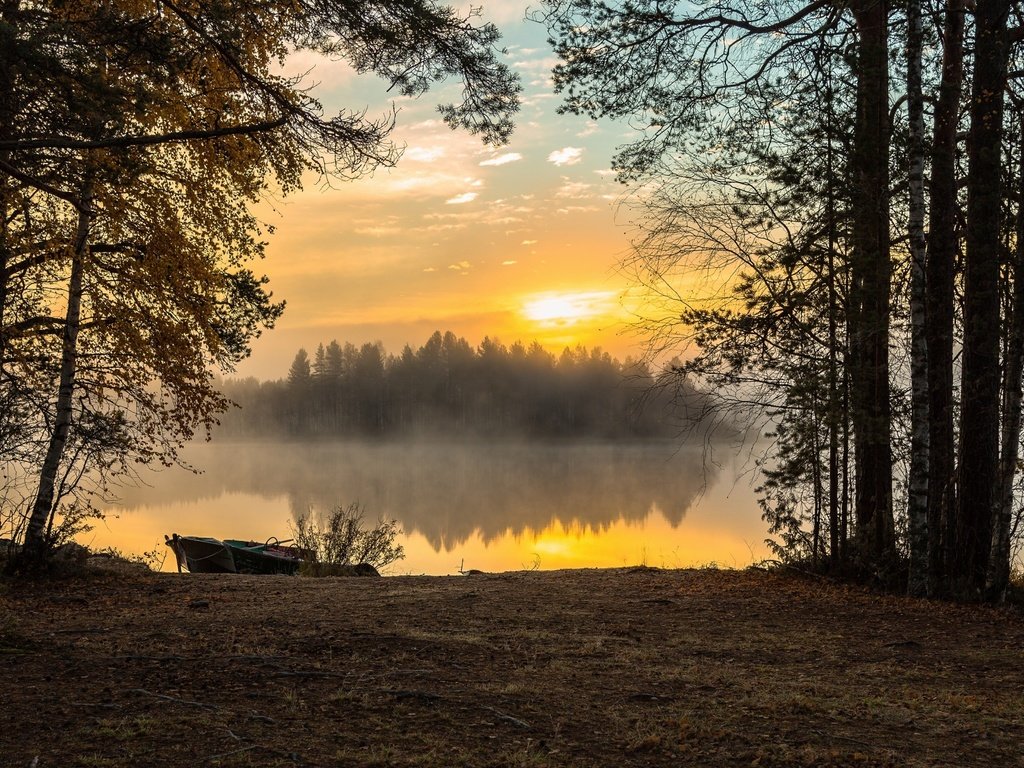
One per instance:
(65, 142)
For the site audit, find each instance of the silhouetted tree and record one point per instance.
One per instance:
(721, 91)
(448, 387)
(978, 460)
(130, 132)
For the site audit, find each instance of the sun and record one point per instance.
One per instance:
(562, 309)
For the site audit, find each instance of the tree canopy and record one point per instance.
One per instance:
(447, 387)
(850, 203)
(134, 139)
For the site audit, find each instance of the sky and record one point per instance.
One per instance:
(519, 242)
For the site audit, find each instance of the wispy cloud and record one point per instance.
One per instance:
(566, 156)
(465, 197)
(505, 159)
(446, 227)
(573, 189)
(540, 97)
(461, 267)
(423, 154)
(382, 231)
(509, 262)
(529, 242)
(533, 65)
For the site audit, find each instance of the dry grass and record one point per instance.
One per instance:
(631, 667)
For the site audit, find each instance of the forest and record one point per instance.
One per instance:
(826, 201)
(136, 139)
(448, 387)
(828, 211)
(830, 226)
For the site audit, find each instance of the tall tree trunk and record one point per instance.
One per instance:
(978, 467)
(833, 409)
(42, 508)
(8, 11)
(833, 335)
(917, 500)
(833, 430)
(816, 546)
(939, 276)
(999, 559)
(844, 510)
(871, 291)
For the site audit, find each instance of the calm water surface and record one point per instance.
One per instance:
(492, 506)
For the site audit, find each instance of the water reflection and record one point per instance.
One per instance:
(499, 505)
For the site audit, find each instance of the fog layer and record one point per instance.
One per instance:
(448, 490)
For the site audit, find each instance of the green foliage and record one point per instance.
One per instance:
(342, 540)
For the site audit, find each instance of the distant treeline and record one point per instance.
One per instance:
(447, 385)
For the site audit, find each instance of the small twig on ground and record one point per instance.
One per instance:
(902, 644)
(175, 699)
(82, 631)
(305, 673)
(135, 657)
(509, 719)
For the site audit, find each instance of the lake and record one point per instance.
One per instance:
(493, 506)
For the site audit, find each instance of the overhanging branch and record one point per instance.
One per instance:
(64, 142)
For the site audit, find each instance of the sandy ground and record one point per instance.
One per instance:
(627, 667)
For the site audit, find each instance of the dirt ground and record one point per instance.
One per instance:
(628, 667)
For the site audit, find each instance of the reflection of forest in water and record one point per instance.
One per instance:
(448, 490)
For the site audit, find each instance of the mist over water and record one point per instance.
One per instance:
(459, 496)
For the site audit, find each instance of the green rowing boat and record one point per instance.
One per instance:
(199, 554)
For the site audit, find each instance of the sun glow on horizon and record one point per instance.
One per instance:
(516, 244)
(564, 309)
(651, 541)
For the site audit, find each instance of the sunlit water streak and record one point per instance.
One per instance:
(489, 506)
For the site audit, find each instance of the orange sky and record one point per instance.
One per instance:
(517, 242)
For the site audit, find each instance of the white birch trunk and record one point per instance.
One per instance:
(42, 508)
